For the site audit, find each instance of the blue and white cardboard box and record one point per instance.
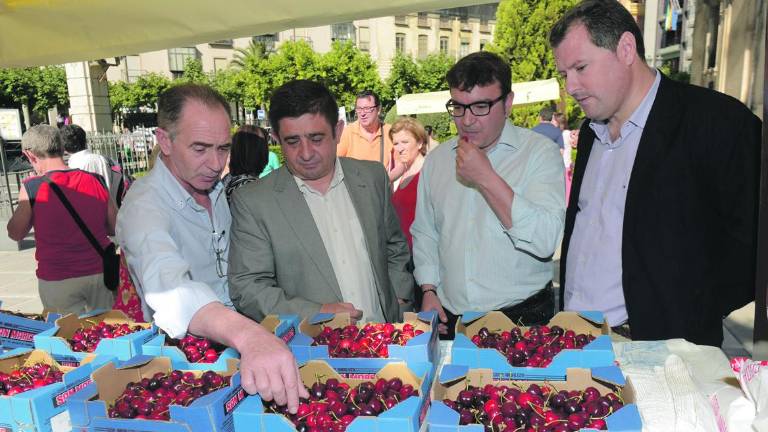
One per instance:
(406, 416)
(55, 339)
(34, 410)
(156, 347)
(419, 349)
(455, 378)
(597, 353)
(286, 327)
(210, 413)
(19, 331)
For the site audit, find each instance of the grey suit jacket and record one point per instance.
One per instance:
(278, 262)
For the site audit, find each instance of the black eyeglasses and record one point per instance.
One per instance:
(218, 249)
(368, 110)
(480, 108)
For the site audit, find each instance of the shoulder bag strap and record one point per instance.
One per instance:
(54, 187)
(381, 141)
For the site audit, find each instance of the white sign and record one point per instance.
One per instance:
(10, 125)
(260, 114)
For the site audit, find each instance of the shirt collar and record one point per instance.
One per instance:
(181, 198)
(508, 138)
(637, 119)
(337, 179)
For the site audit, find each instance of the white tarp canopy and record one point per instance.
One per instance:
(43, 32)
(433, 102)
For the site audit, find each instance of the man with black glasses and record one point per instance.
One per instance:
(490, 206)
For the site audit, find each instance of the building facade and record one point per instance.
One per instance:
(455, 32)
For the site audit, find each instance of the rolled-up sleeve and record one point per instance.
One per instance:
(538, 207)
(161, 273)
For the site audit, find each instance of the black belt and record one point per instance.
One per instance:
(622, 330)
(540, 298)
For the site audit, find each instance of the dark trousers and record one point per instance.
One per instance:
(536, 309)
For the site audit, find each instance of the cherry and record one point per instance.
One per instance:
(196, 349)
(86, 339)
(25, 378)
(534, 408)
(369, 340)
(536, 347)
(322, 412)
(151, 397)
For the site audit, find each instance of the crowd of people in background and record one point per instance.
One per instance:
(374, 219)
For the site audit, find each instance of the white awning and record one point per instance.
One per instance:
(43, 32)
(433, 102)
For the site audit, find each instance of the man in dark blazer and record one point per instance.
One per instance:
(319, 234)
(661, 227)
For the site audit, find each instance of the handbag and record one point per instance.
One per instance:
(109, 258)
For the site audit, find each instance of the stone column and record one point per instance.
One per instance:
(89, 95)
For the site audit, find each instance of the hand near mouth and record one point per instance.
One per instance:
(472, 164)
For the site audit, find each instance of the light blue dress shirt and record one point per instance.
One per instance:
(460, 246)
(593, 277)
(176, 252)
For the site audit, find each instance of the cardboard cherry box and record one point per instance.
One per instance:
(419, 349)
(55, 339)
(157, 347)
(283, 326)
(597, 353)
(35, 410)
(406, 416)
(209, 413)
(455, 378)
(17, 330)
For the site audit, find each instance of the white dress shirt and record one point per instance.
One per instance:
(176, 252)
(593, 277)
(342, 235)
(460, 246)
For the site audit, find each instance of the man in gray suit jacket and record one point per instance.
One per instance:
(320, 233)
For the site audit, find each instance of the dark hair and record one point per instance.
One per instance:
(546, 113)
(366, 94)
(480, 69)
(249, 154)
(171, 102)
(298, 97)
(73, 138)
(605, 20)
(254, 130)
(428, 130)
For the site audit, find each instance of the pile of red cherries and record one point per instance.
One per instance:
(369, 341)
(534, 348)
(151, 397)
(87, 339)
(197, 349)
(536, 408)
(28, 378)
(333, 405)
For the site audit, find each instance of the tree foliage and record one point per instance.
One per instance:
(193, 73)
(521, 38)
(35, 88)
(346, 71)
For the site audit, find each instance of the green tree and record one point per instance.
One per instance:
(346, 71)
(521, 38)
(403, 77)
(248, 57)
(193, 72)
(35, 89)
(50, 88)
(432, 71)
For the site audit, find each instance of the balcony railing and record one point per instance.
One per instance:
(401, 20)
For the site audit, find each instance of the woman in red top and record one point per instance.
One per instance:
(409, 147)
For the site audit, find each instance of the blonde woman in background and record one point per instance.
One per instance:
(409, 139)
